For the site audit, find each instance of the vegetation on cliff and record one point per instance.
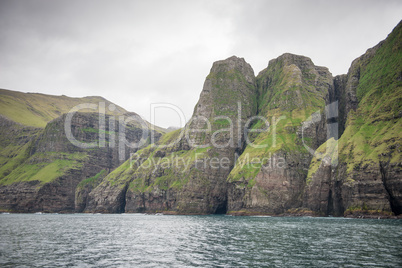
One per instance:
(368, 177)
(40, 168)
(174, 174)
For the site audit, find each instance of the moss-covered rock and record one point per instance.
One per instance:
(269, 176)
(368, 177)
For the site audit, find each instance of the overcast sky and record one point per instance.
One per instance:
(135, 53)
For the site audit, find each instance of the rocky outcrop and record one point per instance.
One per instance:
(181, 178)
(293, 89)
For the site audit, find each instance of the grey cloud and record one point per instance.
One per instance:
(332, 33)
(135, 53)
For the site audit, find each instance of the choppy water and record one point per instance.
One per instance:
(135, 240)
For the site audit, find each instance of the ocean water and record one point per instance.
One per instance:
(136, 240)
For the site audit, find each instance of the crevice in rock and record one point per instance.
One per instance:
(142, 209)
(122, 200)
(337, 93)
(396, 207)
(330, 204)
(338, 208)
(222, 207)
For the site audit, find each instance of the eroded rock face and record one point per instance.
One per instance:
(338, 192)
(323, 192)
(274, 190)
(106, 199)
(53, 166)
(391, 178)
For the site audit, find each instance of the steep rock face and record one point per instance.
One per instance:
(269, 176)
(367, 180)
(337, 94)
(345, 86)
(227, 100)
(109, 195)
(185, 172)
(83, 189)
(135, 132)
(322, 193)
(392, 181)
(15, 141)
(15, 145)
(214, 134)
(47, 179)
(319, 192)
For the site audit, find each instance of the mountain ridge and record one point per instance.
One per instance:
(37, 109)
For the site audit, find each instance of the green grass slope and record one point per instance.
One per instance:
(375, 129)
(23, 118)
(34, 109)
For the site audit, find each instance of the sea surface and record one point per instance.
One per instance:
(137, 240)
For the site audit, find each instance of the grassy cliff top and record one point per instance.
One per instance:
(35, 109)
